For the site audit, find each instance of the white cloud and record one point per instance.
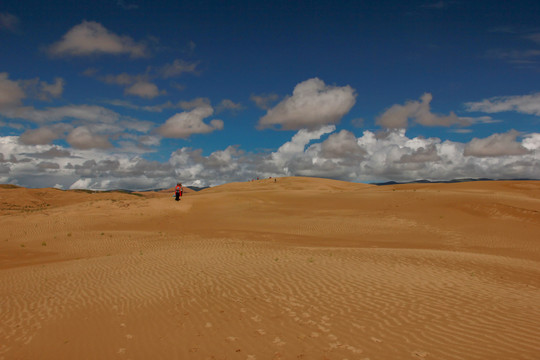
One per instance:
(297, 145)
(42, 90)
(421, 155)
(142, 84)
(83, 138)
(9, 22)
(92, 38)
(185, 124)
(263, 101)
(342, 145)
(312, 104)
(496, 145)
(195, 103)
(53, 90)
(398, 116)
(99, 169)
(11, 93)
(531, 141)
(144, 89)
(370, 157)
(41, 136)
(394, 156)
(176, 68)
(91, 113)
(230, 105)
(52, 153)
(526, 104)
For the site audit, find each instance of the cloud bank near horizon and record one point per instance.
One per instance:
(371, 157)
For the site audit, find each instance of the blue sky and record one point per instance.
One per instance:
(141, 94)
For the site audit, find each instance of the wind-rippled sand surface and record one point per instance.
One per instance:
(296, 268)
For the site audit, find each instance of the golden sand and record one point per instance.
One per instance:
(292, 268)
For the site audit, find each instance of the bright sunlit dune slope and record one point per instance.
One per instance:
(284, 268)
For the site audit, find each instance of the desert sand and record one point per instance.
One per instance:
(287, 268)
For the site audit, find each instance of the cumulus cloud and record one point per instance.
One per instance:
(137, 85)
(230, 164)
(42, 90)
(195, 103)
(122, 173)
(144, 89)
(48, 165)
(298, 143)
(53, 90)
(52, 153)
(176, 68)
(92, 38)
(263, 101)
(40, 136)
(9, 22)
(185, 124)
(398, 116)
(526, 104)
(83, 138)
(143, 84)
(421, 155)
(342, 145)
(11, 93)
(33, 166)
(496, 145)
(230, 105)
(312, 104)
(370, 157)
(531, 141)
(89, 113)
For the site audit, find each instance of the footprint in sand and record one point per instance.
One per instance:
(420, 354)
(279, 342)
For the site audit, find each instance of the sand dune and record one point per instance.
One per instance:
(287, 268)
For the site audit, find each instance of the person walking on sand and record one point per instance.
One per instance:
(178, 191)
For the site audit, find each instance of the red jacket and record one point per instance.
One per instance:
(179, 189)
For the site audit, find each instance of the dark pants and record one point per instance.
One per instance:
(177, 196)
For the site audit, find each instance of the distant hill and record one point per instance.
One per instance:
(446, 181)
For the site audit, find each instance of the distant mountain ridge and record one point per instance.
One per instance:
(447, 181)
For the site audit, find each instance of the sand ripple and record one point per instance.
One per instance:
(209, 297)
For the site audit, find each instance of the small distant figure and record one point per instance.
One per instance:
(178, 191)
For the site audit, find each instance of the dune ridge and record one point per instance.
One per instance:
(282, 268)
